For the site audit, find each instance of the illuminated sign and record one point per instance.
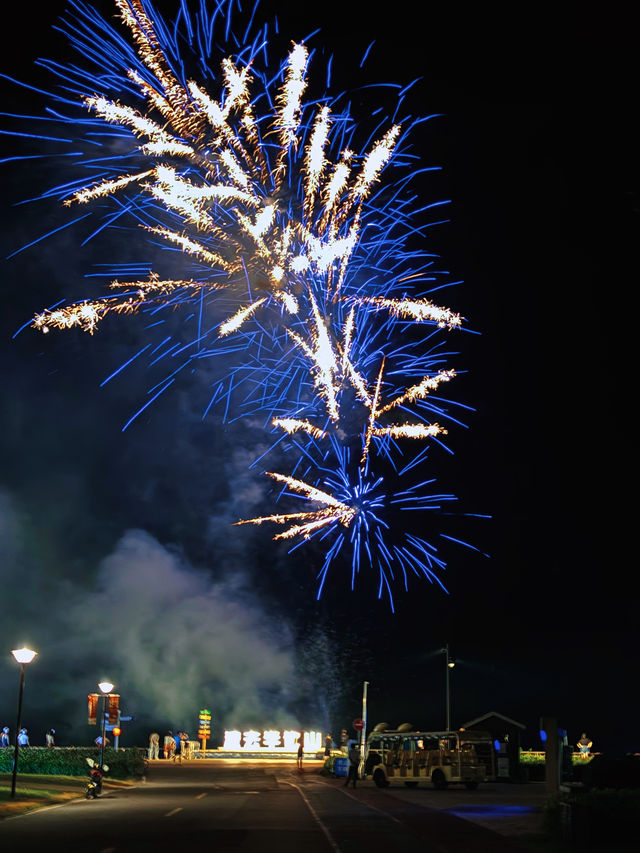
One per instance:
(204, 724)
(271, 740)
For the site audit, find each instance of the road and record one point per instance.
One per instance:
(259, 807)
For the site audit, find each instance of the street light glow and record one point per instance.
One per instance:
(23, 655)
(105, 687)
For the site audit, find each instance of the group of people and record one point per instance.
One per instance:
(23, 737)
(174, 746)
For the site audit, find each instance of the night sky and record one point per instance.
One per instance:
(118, 554)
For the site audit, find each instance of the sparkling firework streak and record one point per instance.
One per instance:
(289, 254)
(231, 202)
(351, 517)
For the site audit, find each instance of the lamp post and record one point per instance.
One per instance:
(23, 656)
(449, 665)
(105, 688)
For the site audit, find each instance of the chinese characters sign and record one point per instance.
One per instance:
(271, 741)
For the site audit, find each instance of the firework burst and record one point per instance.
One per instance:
(286, 239)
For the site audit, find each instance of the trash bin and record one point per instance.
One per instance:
(341, 767)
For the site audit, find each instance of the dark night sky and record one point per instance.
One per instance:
(536, 147)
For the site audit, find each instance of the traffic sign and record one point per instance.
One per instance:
(358, 724)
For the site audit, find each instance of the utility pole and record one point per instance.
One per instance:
(363, 733)
(449, 664)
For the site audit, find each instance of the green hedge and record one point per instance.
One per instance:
(536, 759)
(71, 761)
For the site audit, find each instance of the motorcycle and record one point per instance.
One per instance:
(96, 773)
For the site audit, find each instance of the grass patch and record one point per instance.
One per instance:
(36, 790)
(30, 795)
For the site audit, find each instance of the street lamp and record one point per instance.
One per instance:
(105, 688)
(23, 656)
(449, 665)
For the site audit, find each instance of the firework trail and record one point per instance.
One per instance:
(272, 209)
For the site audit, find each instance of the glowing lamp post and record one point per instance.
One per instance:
(23, 656)
(449, 665)
(105, 688)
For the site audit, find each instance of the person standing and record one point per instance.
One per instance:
(177, 755)
(184, 745)
(169, 745)
(49, 738)
(584, 745)
(300, 751)
(354, 763)
(4, 737)
(154, 745)
(327, 745)
(23, 738)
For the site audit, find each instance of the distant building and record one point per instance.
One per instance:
(506, 739)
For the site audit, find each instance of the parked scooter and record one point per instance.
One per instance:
(96, 774)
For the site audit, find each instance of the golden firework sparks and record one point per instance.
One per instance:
(419, 391)
(331, 511)
(410, 430)
(225, 168)
(417, 309)
(291, 425)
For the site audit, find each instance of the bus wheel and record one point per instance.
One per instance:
(471, 786)
(380, 779)
(439, 780)
(411, 784)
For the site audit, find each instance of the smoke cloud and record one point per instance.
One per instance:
(170, 638)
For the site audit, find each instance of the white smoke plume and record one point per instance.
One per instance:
(170, 639)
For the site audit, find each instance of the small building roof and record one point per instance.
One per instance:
(493, 714)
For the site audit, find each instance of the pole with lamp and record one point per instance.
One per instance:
(363, 731)
(449, 665)
(105, 688)
(23, 656)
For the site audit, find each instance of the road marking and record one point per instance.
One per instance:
(376, 809)
(362, 802)
(200, 796)
(370, 806)
(315, 815)
(173, 811)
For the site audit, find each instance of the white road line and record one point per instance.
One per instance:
(376, 809)
(362, 803)
(315, 815)
(173, 811)
(200, 796)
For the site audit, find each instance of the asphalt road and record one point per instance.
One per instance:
(259, 807)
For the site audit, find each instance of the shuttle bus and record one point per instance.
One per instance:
(442, 758)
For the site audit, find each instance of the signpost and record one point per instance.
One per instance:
(204, 728)
(358, 725)
(115, 728)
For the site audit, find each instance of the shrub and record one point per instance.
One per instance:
(71, 761)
